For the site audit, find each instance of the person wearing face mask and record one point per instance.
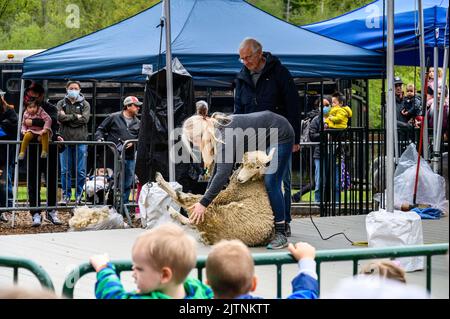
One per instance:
(314, 136)
(73, 114)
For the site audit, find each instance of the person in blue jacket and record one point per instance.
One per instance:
(264, 84)
(230, 271)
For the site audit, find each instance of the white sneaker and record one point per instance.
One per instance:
(36, 220)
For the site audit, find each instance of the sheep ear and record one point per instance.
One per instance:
(270, 155)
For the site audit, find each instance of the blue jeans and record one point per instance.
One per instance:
(317, 188)
(71, 155)
(273, 180)
(6, 193)
(128, 181)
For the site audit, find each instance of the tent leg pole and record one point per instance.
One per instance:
(435, 93)
(16, 169)
(391, 109)
(422, 76)
(437, 144)
(169, 82)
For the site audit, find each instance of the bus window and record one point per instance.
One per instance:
(13, 85)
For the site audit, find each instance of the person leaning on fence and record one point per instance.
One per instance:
(220, 157)
(30, 133)
(73, 114)
(264, 84)
(230, 271)
(162, 260)
(35, 93)
(311, 133)
(8, 132)
(402, 120)
(118, 128)
(314, 136)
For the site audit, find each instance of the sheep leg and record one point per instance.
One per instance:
(166, 186)
(178, 217)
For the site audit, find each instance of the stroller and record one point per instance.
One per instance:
(98, 187)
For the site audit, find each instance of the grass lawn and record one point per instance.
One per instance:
(309, 196)
(22, 195)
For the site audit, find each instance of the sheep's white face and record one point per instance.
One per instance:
(254, 165)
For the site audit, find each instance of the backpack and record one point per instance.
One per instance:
(304, 127)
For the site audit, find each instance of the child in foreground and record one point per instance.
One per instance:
(162, 259)
(230, 271)
(386, 269)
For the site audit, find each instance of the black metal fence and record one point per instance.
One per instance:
(351, 168)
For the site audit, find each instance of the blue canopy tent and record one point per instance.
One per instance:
(205, 38)
(363, 27)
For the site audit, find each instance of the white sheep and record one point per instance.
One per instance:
(241, 211)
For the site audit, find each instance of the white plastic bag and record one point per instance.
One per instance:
(104, 218)
(385, 229)
(430, 188)
(154, 203)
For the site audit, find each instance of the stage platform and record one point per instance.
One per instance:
(58, 253)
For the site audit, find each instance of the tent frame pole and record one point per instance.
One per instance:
(422, 76)
(391, 108)
(437, 144)
(438, 138)
(435, 90)
(16, 168)
(169, 83)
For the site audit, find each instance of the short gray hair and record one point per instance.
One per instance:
(255, 45)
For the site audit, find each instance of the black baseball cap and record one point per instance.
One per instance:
(398, 80)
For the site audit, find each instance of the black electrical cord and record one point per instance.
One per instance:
(341, 233)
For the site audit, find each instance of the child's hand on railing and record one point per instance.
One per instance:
(99, 261)
(302, 251)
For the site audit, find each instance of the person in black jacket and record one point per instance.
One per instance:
(264, 84)
(118, 128)
(8, 131)
(313, 135)
(36, 165)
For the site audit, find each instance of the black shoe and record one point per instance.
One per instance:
(296, 197)
(3, 218)
(53, 217)
(278, 242)
(287, 229)
(64, 201)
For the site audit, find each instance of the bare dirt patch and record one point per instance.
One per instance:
(23, 222)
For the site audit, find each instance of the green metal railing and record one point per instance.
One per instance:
(35, 269)
(280, 259)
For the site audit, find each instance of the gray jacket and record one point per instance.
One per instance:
(73, 128)
(314, 134)
(230, 153)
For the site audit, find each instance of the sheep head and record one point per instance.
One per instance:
(254, 165)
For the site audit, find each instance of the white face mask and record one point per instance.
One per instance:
(73, 94)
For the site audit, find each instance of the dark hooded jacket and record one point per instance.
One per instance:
(72, 127)
(8, 124)
(275, 91)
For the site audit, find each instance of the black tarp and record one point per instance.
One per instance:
(152, 149)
